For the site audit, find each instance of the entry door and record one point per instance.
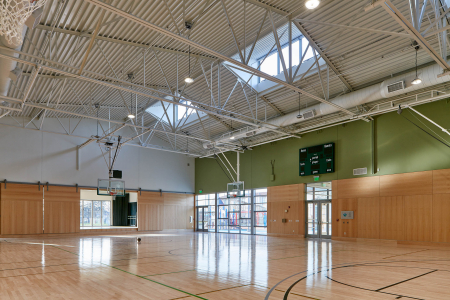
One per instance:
(318, 219)
(202, 219)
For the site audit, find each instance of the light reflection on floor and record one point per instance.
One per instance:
(187, 265)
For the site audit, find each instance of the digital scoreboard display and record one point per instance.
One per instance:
(317, 160)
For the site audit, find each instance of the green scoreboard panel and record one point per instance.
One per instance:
(317, 160)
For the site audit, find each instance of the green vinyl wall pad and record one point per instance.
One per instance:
(398, 147)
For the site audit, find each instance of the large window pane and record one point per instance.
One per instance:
(245, 211)
(295, 54)
(223, 212)
(97, 220)
(309, 54)
(270, 65)
(261, 218)
(87, 213)
(106, 213)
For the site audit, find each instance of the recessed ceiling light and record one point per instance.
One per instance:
(311, 4)
(131, 116)
(189, 80)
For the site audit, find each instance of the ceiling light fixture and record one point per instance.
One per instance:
(232, 138)
(189, 79)
(299, 116)
(131, 116)
(311, 4)
(416, 80)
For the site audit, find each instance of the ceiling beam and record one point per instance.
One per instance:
(322, 54)
(272, 105)
(122, 42)
(205, 49)
(399, 34)
(415, 34)
(91, 42)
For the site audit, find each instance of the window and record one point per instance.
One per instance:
(95, 213)
(260, 204)
(183, 111)
(272, 64)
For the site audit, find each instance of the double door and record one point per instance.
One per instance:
(318, 219)
(202, 218)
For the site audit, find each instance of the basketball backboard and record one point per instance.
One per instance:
(111, 187)
(235, 189)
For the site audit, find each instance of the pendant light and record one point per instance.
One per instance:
(189, 79)
(417, 80)
(130, 115)
(311, 4)
(299, 116)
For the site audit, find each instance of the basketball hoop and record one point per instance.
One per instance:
(13, 14)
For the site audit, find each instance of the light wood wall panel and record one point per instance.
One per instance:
(190, 211)
(283, 193)
(150, 211)
(391, 218)
(282, 198)
(369, 218)
(334, 189)
(418, 218)
(61, 209)
(21, 208)
(348, 228)
(441, 218)
(406, 184)
(362, 187)
(441, 181)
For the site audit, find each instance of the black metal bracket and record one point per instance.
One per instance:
(76, 186)
(140, 192)
(47, 186)
(39, 185)
(4, 181)
(160, 192)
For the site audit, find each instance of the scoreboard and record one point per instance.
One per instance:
(317, 160)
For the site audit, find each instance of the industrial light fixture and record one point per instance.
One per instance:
(131, 115)
(417, 80)
(299, 116)
(189, 79)
(311, 4)
(232, 138)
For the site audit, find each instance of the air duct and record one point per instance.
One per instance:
(429, 76)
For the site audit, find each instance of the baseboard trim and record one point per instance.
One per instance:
(396, 242)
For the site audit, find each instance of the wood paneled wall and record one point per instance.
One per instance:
(409, 207)
(21, 209)
(280, 199)
(166, 211)
(24, 209)
(61, 209)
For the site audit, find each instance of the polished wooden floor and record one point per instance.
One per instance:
(191, 265)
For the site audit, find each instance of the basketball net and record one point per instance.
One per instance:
(13, 14)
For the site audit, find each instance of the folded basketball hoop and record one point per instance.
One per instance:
(235, 189)
(13, 14)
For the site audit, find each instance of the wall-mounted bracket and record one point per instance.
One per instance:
(39, 185)
(4, 182)
(76, 187)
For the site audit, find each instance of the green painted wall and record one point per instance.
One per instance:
(400, 147)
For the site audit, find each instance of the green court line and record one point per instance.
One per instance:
(168, 273)
(143, 277)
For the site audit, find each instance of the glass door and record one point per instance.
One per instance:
(202, 219)
(319, 219)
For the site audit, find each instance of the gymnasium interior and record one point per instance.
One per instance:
(225, 149)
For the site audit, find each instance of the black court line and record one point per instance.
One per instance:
(405, 280)
(405, 254)
(347, 266)
(357, 287)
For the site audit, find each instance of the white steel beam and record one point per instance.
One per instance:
(205, 49)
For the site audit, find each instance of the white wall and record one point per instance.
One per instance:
(32, 156)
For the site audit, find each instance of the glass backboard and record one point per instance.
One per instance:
(235, 189)
(111, 187)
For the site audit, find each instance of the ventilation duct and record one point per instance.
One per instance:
(308, 115)
(429, 76)
(396, 86)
